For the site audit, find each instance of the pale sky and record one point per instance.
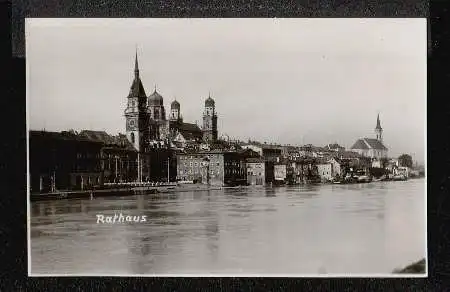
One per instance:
(290, 81)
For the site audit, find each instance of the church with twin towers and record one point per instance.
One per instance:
(149, 126)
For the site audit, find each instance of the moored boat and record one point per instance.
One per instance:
(381, 178)
(364, 179)
(399, 177)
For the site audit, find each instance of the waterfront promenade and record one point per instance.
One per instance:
(130, 189)
(355, 229)
(126, 191)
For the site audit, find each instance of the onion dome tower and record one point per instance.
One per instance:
(209, 120)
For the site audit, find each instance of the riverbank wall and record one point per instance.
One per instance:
(120, 192)
(141, 190)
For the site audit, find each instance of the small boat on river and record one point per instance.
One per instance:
(381, 178)
(364, 179)
(399, 177)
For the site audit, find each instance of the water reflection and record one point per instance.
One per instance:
(200, 195)
(270, 192)
(139, 252)
(370, 228)
(140, 201)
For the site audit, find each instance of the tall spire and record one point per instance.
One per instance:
(136, 66)
(136, 90)
(378, 129)
(378, 122)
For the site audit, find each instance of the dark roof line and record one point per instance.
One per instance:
(368, 143)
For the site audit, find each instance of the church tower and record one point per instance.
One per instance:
(156, 106)
(158, 124)
(379, 130)
(136, 112)
(175, 114)
(209, 121)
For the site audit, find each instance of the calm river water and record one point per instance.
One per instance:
(357, 229)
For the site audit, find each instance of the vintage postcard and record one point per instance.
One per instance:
(227, 147)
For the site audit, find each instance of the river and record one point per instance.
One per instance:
(324, 229)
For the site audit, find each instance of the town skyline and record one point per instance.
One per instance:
(91, 94)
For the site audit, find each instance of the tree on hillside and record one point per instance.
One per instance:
(405, 160)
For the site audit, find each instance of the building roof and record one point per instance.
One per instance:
(368, 143)
(255, 160)
(334, 146)
(190, 127)
(346, 154)
(220, 144)
(289, 148)
(67, 136)
(189, 131)
(137, 89)
(360, 144)
(375, 144)
(263, 146)
(209, 102)
(97, 136)
(175, 105)
(248, 152)
(123, 141)
(304, 160)
(155, 98)
(312, 148)
(204, 152)
(106, 139)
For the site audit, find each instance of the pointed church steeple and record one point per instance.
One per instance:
(378, 122)
(137, 89)
(136, 67)
(379, 130)
(136, 111)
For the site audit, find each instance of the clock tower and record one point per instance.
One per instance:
(136, 112)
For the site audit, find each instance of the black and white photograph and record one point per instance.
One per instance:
(275, 147)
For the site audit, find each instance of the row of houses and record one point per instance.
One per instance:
(261, 164)
(70, 160)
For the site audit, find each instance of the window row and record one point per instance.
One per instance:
(254, 173)
(254, 166)
(88, 155)
(232, 163)
(190, 157)
(234, 171)
(196, 171)
(203, 163)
